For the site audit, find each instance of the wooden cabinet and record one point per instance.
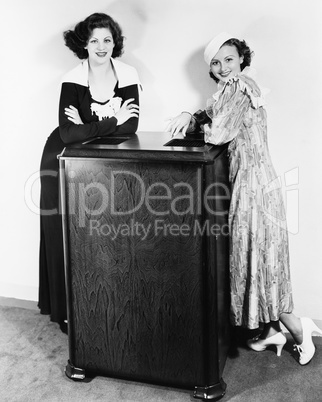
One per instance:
(146, 260)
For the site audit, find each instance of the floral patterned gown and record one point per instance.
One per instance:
(259, 257)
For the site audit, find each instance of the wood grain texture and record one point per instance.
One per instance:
(143, 307)
(137, 303)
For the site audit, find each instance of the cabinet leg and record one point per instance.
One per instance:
(74, 373)
(212, 392)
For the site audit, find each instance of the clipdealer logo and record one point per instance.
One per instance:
(155, 228)
(89, 201)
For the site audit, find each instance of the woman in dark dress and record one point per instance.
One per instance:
(98, 98)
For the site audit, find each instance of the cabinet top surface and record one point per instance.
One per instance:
(145, 145)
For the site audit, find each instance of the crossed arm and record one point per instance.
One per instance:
(72, 126)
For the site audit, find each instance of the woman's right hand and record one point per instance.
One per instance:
(127, 111)
(179, 123)
(73, 114)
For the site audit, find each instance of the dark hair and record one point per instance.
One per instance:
(243, 51)
(77, 39)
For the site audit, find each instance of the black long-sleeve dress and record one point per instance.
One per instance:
(99, 121)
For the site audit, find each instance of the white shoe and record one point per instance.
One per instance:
(279, 340)
(307, 349)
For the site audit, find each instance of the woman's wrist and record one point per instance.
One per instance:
(187, 113)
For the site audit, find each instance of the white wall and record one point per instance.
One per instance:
(165, 41)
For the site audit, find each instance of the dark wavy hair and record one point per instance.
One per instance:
(77, 39)
(243, 51)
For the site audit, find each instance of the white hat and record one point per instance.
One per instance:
(214, 45)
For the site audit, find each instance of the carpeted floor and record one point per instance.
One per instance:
(34, 352)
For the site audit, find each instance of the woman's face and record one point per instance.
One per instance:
(100, 46)
(226, 63)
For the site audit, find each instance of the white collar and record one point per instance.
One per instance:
(126, 75)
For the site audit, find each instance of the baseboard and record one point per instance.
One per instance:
(12, 302)
(18, 291)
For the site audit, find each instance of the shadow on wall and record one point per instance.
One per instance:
(198, 76)
(133, 20)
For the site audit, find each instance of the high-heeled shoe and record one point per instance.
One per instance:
(279, 340)
(307, 349)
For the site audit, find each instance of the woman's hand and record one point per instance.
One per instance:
(73, 114)
(127, 111)
(179, 123)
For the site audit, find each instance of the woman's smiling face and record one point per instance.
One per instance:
(226, 63)
(100, 46)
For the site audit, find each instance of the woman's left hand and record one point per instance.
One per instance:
(73, 115)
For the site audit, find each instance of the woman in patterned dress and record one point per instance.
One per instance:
(98, 98)
(260, 282)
